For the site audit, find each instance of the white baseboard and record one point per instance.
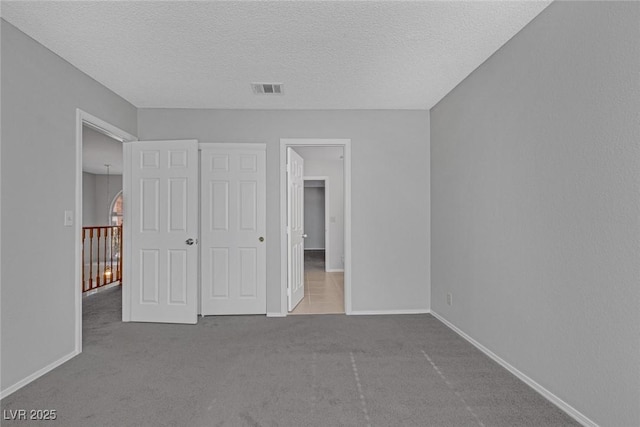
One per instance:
(334, 270)
(570, 410)
(276, 314)
(384, 312)
(100, 289)
(11, 389)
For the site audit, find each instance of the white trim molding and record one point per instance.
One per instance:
(234, 145)
(315, 142)
(276, 314)
(85, 119)
(23, 382)
(387, 312)
(126, 242)
(100, 289)
(564, 406)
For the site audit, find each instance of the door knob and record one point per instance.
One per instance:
(190, 242)
(261, 238)
(304, 236)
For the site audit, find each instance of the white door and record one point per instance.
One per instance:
(295, 227)
(233, 215)
(161, 194)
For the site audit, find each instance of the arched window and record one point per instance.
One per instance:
(115, 214)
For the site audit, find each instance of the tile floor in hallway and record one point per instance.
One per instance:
(323, 292)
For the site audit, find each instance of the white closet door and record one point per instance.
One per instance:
(295, 227)
(161, 194)
(233, 226)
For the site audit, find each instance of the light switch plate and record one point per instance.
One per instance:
(68, 218)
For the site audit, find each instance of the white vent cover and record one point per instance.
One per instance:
(267, 88)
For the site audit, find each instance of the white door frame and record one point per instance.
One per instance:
(326, 215)
(315, 142)
(83, 118)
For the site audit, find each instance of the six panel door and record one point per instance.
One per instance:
(295, 228)
(161, 193)
(233, 225)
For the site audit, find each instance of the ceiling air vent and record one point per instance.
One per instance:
(267, 88)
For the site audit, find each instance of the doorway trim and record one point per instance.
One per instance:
(85, 119)
(327, 212)
(314, 142)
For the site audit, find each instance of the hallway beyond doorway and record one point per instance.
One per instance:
(323, 292)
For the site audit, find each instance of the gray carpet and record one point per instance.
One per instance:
(329, 370)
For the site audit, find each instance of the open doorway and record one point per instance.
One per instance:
(323, 277)
(98, 240)
(324, 231)
(102, 209)
(317, 214)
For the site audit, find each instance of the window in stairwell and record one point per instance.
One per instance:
(116, 210)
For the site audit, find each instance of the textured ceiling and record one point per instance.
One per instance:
(98, 150)
(329, 55)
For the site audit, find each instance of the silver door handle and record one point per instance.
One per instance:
(304, 236)
(190, 242)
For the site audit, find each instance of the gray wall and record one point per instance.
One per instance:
(102, 201)
(314, 226)
(40, 94)
(535, 163)
(88, 199)
(390, 152)
(95, 202)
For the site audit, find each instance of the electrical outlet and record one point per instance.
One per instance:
(449, 299)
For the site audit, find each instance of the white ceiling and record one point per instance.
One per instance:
(329, 55)
(98, 150)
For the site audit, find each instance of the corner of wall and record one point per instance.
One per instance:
(428, 188)
(1, 26)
